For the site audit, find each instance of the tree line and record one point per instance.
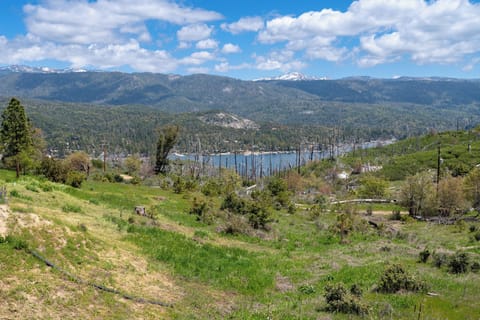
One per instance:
(23, 148)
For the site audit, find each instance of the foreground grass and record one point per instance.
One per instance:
(206, 275)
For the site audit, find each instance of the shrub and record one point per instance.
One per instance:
(75, 179)
(475, 267)
(235, 224)
(118, 178)
(459, 263)
(424, 255)
(356, 290)
(439, 259)
(472, 228)
(201, 209)
(339, 300)
(396, 278)
(179, 185)
(211, 188)
(477, 236)
(258, 216)
(15, 193)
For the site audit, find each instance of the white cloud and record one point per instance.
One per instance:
(207, 44)
(106, 34)
(247, 24)
(198, 58)
(279, 60)
(442, 31)
(184, 45)
(194, 32)
(222, 67)
(225, 66)
(105, 21)
(231, 48)
(25, 49)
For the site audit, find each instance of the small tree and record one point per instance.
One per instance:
(416, 194)
(15, 134)
(450, 196)
(373, 187)
(471, 186)
(168, 136)
(132, 164)
(79, 161)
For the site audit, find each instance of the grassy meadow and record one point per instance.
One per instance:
(93, 233)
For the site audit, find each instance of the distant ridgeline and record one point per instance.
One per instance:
(81, 110)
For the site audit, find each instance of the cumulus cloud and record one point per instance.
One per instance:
(104, 21)
(198, 58)
(279, 60)
(442, 31)
(207, 44)
(231, 48)
(224, 66)
(99, 55)
(107, 34)
(194, 32)
(246, 24)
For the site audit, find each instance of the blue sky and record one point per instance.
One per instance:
(246, 39)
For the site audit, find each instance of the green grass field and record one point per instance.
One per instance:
(93, 233)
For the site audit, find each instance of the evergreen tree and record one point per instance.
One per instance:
(168, 136)
(15, 134)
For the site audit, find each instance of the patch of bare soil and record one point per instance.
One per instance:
(283, 284)
(4, 214)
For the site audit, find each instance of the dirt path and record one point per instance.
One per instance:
(3, 220)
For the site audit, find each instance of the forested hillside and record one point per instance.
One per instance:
(362, 107)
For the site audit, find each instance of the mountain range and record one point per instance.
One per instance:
(380, 107)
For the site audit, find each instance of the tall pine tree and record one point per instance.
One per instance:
(168, 136)
(15, 134)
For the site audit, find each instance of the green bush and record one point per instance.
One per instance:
(340, 300)
(75, 179)
(15, 193)
(211, 188)
(396, 278)
(459, 263)
(201, 209)
(424, 255)
(440, 259)
(235, 224)
(179, 185)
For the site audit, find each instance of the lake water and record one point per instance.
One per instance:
(260, 164)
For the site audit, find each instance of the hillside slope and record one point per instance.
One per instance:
(93, 234)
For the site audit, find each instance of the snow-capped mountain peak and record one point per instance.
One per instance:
(291, 76)
(28, 69)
